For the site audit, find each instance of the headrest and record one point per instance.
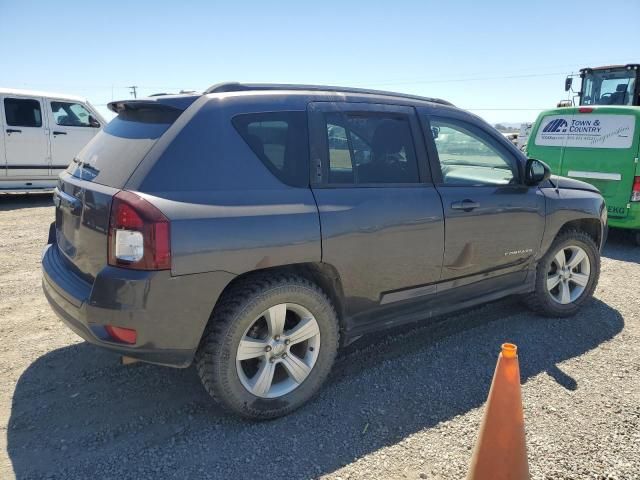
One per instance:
(389, 137)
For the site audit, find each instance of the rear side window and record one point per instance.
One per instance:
(22, 112)
(367, 148)
(279, 140)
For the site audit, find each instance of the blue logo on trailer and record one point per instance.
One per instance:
(559, 125)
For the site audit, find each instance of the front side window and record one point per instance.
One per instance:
(370, 148)
(280, 140)
(69, 114)
(22, 112)
(466, 158)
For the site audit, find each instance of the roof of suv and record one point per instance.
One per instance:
(182, 100)
(247, 87)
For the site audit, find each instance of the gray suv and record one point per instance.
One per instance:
(255, 229)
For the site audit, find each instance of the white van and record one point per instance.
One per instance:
(41, 133)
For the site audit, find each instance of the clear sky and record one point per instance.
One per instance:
(505, 60)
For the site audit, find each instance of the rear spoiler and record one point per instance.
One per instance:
(177, 103)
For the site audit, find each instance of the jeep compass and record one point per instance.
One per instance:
(255, 229)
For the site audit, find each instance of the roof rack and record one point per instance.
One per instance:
(244, 87)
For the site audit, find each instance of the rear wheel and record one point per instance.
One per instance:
(566, 276)
(269, 346)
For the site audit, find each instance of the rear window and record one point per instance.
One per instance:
(116, 151)
(279, 140)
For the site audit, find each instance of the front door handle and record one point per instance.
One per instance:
(56, 132)
(13, 130)
(466, 205)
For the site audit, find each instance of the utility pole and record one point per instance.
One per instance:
(134, 91)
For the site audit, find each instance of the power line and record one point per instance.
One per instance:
(368, 84)
(382, 82)
(508, 109)
(99, 87)
(567, 70)
(469, 79)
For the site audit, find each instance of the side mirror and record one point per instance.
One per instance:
(567, 84)
(93, 122)
(435, 131)
(536, 172)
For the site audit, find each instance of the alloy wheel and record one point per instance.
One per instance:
(278, 350)
(568, 274)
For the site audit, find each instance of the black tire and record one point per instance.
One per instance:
(540, 300)
(234, 314)
(636, 237)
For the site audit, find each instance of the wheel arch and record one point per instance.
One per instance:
(322, 274)
(538, 299)
(591, 226)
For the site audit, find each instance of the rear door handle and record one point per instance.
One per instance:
(56, 132)
(13, 130)
(466, 205)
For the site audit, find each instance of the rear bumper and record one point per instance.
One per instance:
(168, 313)
(631, 221)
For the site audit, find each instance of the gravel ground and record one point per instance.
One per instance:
(401, 405)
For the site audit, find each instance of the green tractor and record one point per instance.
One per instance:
(598, 140)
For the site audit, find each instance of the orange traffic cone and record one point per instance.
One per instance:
(501, 451)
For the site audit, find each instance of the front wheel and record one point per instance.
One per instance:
(566, 276)
(269, 346)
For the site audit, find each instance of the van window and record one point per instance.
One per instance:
(22, 112)
(70, 114)
(279, 140)
(370, 148)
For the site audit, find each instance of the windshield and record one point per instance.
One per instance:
(609, 87)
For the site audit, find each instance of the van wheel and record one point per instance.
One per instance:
(566, 276)
(269, 346)
(636, 237)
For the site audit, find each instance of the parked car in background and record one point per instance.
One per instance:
(523, 135)
(41, 134)
(512, 137)
(254, 229)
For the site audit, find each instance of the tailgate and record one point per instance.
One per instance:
(82, 223)
(85, 191)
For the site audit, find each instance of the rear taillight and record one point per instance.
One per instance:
(138, 234)
(635, 191)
